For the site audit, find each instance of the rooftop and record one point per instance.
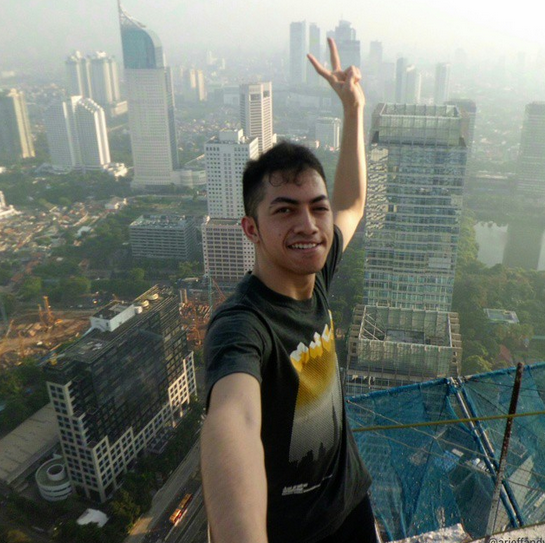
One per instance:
(160, 221)
(27, 443)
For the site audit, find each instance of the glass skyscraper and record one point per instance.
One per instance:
(417, 157)
(150, 97)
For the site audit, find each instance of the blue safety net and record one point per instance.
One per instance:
(430, 477)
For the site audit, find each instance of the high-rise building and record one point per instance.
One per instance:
(413, 85)
(315, 49)
(150, 99)
(417, 157)
(256, 113)
(78, 75)
(391, 347)
(401, 80)
(226, 156)
(468, 109)
(95, 77)
(193, 85)
(120, 389)
(15, 136)
(227, 253)
(531, 159)
(298, 52)
(77, 135)
(375, 58)
(348, 46)
(104, 79)
(172, 237)
(442, 83)
(328, 132)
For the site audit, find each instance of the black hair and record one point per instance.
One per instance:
(287, 158)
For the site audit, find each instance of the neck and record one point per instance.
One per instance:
(298, 287)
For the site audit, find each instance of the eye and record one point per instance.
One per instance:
(283, 210)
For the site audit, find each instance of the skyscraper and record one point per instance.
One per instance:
(298, 51)
(315, 49)
(226, 156)
(413, 85)
(15, 136)
(228, 255)
(104, 79)
(442, 83)
(417, 158)
(150, 99)
(468, 109)
(256, 114)
(78, 75)
(328, 132)
(375, 58)
(76, 134)
(531, 159)
(401, 80)
(120, 389)
(348, 46)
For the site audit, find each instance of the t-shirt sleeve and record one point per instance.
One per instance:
(333, 258)
(235, 343)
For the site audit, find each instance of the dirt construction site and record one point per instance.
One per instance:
(33, 333)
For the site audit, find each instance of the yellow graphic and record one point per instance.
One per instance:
(318, 408)
(315, 366)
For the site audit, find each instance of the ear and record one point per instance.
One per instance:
(249, 226)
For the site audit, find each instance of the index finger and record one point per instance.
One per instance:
(326, 74)
(334, 53)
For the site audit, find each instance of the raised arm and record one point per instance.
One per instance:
(351, 176)
(232, 462)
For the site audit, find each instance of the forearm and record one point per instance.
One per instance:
(234, 481)
(351, 174)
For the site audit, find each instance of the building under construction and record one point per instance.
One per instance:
(389, 347)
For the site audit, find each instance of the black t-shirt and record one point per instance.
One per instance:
(315, 475)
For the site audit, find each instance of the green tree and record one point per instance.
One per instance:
(475, 364)
(31, 287)
(16, 536)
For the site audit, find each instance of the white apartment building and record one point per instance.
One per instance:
(15, 135)
(256, 115)
(226, 155)
(77, 135)
(228, 254)
(328, 132)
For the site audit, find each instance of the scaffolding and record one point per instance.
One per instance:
(394, 346)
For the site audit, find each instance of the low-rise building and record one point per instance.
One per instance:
(164, 237)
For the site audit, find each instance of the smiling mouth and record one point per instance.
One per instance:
(301, 246)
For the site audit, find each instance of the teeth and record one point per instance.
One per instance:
(304, 245)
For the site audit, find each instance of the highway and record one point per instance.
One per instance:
(154, 525)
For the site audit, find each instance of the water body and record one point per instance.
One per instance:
(516, 245)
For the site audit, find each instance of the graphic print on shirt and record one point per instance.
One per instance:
(318, 410)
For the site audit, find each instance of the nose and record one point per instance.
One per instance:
(306, 223)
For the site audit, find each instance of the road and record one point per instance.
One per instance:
(154, 524)
(193, 527)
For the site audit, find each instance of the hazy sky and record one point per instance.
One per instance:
(37, 32)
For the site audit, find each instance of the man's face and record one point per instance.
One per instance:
(294, 229)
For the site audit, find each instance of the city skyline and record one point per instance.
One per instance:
(481, 29)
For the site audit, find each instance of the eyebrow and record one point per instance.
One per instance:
(286, 200)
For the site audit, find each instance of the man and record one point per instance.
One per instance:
(279, 463)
